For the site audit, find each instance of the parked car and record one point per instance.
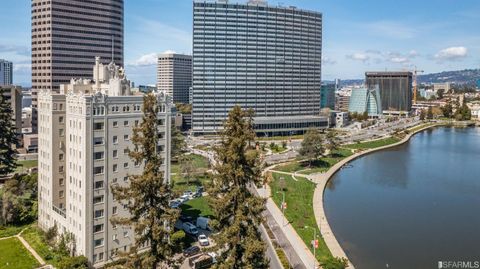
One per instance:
(202, 261)
(175, 203)
(190, 228)
(203, 240)
(188, 193)
(186, 218)
(184, 198)
(202, 223)
(193, 250)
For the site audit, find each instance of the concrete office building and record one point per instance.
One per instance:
(327, 96)
(174, 75)
(396, 90)
(13, 95)
(257, 56)
(6, 73)
(84, 136)
(66, 37)
(366, 100)
(342, 102)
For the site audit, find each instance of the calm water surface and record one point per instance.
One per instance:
(411, 206)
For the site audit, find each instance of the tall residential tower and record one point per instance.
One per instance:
(66, 37)
(257, 56)
(174, 75)
(85, 133)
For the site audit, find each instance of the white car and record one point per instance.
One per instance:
(184, 198)
(203, 240)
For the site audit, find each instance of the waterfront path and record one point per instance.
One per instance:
(321, 179)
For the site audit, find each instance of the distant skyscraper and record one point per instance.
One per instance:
(327, 96)
(174, 75)
(67, 35)
(257, 56)
(6, 73)
(395, 89)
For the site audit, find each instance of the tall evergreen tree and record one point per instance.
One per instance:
(179, 145)
(237, 212)
(8, 138)
(147, 196)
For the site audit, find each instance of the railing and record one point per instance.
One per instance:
(59, 211)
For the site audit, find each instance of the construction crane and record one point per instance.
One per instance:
(415, 74)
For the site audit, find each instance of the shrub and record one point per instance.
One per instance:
(283, 258)
(79, 262)
(335, 263)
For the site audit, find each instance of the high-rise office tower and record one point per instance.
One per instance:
(327, 96)
(85, 133)
(66, 37)
(6, 73)
(395, 89)
(257, 56)
(174, 75)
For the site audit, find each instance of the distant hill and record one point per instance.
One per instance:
(467, 76)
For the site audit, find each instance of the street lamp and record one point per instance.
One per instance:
(314, 244)
(283, 205)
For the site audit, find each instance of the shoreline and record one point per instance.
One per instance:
(322, 181)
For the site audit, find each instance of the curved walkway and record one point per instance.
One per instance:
(323, 178)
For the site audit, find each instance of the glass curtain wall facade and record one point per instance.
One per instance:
(395, 89)
(256, 56)
(327, 96)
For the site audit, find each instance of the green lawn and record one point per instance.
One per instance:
(299, 212)
(197, 207)
(35, 237)
(6, 231)
(13, 255)
(373, 144)
(180, 184)
(25, 165)
(319, 166)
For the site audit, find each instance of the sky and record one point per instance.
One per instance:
(358, 36)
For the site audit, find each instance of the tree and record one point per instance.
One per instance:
(312, 145)
(187, 167)
(237, 212)
(447, 110)
(440, 93)
(463, 113)
(178, 142)
(8, 139)
(335, 263)
(429, 113)
(19, 200)
(333, 143)
(422, 114)
(147, 196)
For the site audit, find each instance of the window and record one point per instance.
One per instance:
(98, 242)
(98, 155)
(126, 137)
(125, 179)
(98, 213)
(60, 169)
(114, 180)
(136, 123)
(115, 154)
(61, 181)
(115, 124)
(125, 165)
(98, 170)
(98, 228)
(61, 119)
(98, 184)
(137, 164)
(125, 123)
(125, 151)
(61, 132)
(115, 168)
(114, 237)
(125, 234)
(61, 156)
(114, 210)
(61, 194)
(98, 126)
(98, 141)
(98, 199)
(100, 256)
(115, 139)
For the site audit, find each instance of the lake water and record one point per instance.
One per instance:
(411, 206)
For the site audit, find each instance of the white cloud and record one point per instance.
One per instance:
(400, 60)
(452, 54)
(147, 59)
(169, 52)
(413, 53)
(328, 60)
(363, 57)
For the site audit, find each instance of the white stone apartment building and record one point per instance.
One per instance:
(84, 137)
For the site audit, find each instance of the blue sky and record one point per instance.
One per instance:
(435, 35)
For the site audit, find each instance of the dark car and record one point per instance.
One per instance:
(186, 218)
(191, 251)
